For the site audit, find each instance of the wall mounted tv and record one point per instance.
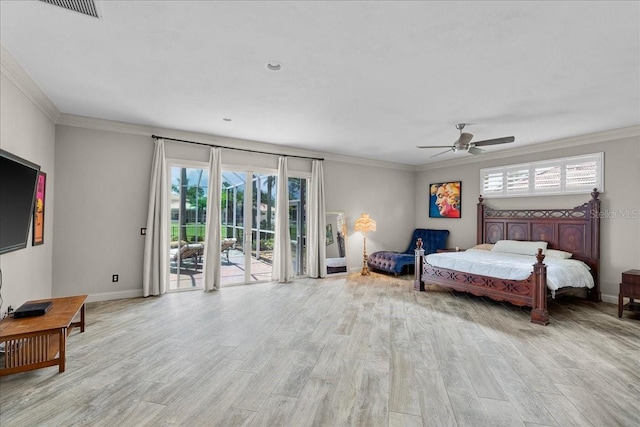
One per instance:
(18, 179)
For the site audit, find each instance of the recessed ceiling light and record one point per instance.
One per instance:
(274, 66)
(226, 119)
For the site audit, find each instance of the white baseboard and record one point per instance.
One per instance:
(613, 299)
(108, 296)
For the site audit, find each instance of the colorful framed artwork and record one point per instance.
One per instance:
(445, 200)
(38, 210)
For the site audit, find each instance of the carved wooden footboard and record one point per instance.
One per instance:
(574, 230)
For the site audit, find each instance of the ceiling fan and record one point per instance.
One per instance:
(463, 143)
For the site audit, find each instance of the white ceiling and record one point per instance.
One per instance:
(366, 79)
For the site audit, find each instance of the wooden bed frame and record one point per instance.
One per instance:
(574, 230)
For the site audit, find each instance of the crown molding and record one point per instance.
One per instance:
(135, 129)
(368, 162)
(19, 77)
(574, 141)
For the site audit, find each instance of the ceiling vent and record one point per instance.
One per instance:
(86, 7)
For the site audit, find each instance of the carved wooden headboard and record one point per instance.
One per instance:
(574, 230)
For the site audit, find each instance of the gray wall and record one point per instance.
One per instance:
(28, 133)
(98, 178)
(385, 193)
(102, 187)
(620, 247)
(102, 196)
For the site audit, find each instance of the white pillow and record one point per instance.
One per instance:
(554, 253)
(483, 246)
(519, 247)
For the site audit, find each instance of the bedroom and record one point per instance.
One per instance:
(98, 171)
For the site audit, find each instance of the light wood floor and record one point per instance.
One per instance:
(348, 351)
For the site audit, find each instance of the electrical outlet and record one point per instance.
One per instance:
(143, 231)
(114, 278)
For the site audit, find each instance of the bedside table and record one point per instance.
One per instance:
(629, 288)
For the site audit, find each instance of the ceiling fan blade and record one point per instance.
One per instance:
(475, 151)
(450, 149)
(433, 146)
(494, 141)
(465, 138)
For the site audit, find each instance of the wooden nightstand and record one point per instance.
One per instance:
(629, 288)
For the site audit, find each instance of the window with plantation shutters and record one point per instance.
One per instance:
(517, 180)
(548, 176)
(580, 174)
(492, 183)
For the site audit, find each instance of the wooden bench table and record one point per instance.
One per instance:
(38, 342)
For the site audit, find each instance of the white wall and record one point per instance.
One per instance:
(26, 131)
(620, 247)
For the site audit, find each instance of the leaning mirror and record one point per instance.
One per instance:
(336, 252)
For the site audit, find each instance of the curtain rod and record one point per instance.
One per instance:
(234, 148)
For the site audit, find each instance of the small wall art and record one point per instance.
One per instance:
(38, 211)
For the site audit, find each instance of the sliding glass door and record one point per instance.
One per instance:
(248, 226)
(189, 186)
(248, 217)
(298, 223)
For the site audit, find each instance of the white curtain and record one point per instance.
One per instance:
(282, 263)
(316, 223)
(155, 269)
(212, 239)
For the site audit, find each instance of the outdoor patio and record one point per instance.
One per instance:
(232, 271)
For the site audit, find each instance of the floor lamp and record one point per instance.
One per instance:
(365, 224)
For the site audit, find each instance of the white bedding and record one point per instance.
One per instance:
(560, 272)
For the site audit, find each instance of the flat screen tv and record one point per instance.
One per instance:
(18, 180)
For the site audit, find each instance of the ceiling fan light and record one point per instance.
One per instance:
(464, 144)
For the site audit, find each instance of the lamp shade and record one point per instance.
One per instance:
(365, 224)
